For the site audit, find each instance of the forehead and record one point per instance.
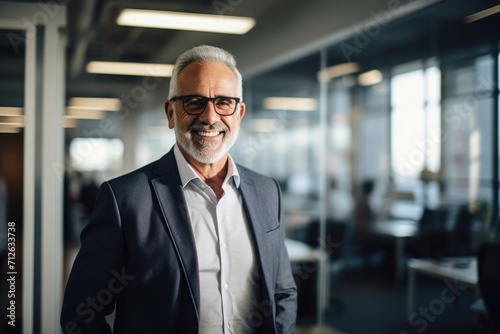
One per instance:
(211, 76)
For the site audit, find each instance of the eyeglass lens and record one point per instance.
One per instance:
(197, 104)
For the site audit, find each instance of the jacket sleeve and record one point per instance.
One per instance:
(285, 291)
(98, 274)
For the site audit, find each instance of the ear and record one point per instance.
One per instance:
(241, 110)
(169, 111)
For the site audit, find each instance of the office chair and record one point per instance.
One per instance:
(460, 238)
(432, 239)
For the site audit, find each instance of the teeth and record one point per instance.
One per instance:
(208, 134)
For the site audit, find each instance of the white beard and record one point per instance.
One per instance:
(202, 150)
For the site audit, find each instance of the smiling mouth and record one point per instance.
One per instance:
(208, 134)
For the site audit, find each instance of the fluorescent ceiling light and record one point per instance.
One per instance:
(11, 111)
(95, 103)
(370, 78)
(84, 113)
(290, 103)
(12, 121)
(336, 71)
(482, 14)
(124, 68)
(9, 129)
(69, 122)
(185, 21)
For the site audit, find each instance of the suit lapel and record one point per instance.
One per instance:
(170, 196)
(257, 220)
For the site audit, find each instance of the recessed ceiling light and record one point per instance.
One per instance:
(95, 103)
(126, 68)
(290, 103)
(185, 21)
(9, 129)
(370, 78)
(84, 113)
(69, 123)
(12, 121)
(11, 111)
(336, 71)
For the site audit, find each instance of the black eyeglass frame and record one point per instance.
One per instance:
(205, 101)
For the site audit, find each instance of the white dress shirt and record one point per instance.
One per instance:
(229, 278)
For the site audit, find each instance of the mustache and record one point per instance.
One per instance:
(205, 127)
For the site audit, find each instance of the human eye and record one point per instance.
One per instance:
(194, 102)
(225, 102)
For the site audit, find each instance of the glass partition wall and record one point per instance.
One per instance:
(281, 136)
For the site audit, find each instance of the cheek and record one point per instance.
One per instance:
(181, 121)
(234, 123)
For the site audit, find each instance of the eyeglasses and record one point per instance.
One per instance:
(196, 105)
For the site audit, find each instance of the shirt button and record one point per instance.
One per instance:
(226, 286)
(224, 246)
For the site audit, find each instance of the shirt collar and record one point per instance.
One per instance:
(187, 173)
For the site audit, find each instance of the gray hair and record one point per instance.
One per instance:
(204, 54)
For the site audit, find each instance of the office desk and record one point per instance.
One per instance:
(399, 230)
(445, 269)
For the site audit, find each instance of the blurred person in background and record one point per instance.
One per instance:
(363, 217)
(363, 214)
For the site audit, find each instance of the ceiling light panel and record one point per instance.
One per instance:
(12, 121)
(84, 113)
(11, 111)
(370, 78)
(95, 103)
(290, 103)
(336, 71)
(134, 69)
(185, 21)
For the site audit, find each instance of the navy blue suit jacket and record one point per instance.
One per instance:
(138, 252)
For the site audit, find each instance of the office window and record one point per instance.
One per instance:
(416, 131)
(468, 129)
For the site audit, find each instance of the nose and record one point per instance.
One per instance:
(209, 115)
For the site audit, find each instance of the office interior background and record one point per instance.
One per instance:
(400, 95)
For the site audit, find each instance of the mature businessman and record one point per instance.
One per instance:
(191, 243)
